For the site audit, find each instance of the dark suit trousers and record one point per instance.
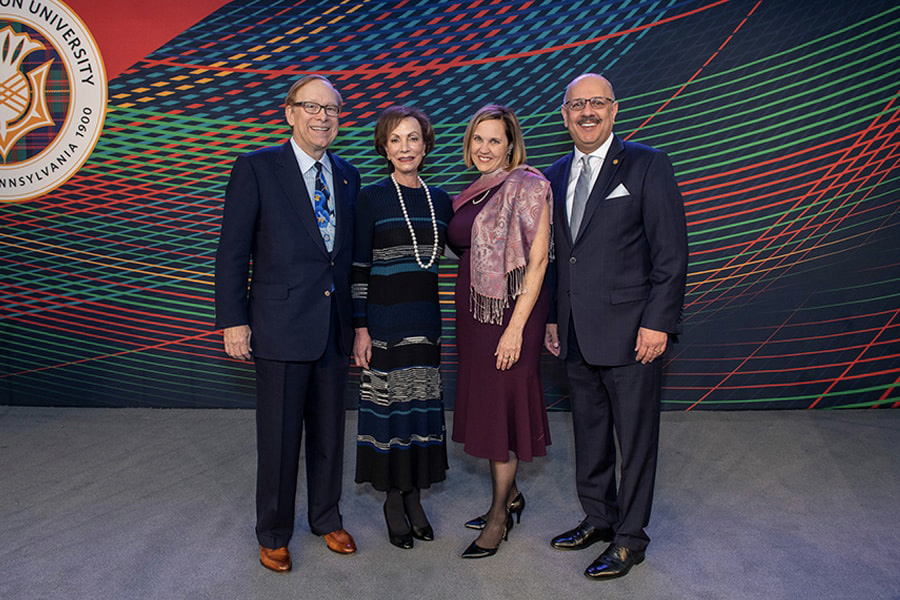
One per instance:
(291, 396)
(625, 400)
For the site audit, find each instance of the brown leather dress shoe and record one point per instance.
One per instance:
(340, 541)
(276, 559)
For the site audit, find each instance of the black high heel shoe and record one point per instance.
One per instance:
(426, 534)
(515, 508)
(397, 536)
(412, 506)
(476, 551)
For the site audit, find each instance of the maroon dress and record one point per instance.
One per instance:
(496, 412)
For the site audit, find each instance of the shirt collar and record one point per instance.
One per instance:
(600, 152)
(306, 161)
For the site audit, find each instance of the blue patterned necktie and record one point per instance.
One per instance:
(324, 208)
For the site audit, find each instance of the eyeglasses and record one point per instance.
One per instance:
(597, 102)
(332, 110)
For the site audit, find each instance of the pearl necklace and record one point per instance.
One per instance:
(412, 232)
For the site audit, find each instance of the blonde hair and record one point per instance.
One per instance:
(510, 124)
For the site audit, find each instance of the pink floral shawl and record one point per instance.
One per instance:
(502, 235)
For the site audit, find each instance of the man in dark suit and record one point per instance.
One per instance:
(289, 213)
(621, 262)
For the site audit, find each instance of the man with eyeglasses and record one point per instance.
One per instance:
(621, 262)
(288, 226)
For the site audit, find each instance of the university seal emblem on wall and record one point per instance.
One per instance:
(52, 97)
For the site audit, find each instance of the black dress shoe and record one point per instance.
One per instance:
(615, 561)
(581, 537)
(426, 534)
(403, 541)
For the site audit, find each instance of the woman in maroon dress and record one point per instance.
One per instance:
(501, 231)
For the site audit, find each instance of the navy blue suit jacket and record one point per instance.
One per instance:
(268, 219)
(627, 266)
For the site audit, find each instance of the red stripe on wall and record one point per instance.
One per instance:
(129, 30)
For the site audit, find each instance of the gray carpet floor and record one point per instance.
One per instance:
(147, 504)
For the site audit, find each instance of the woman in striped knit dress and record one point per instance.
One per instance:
(400, 227)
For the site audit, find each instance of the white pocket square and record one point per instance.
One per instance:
(619, 191)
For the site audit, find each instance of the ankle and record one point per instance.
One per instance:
(393, 504)
(491, 535)
(496, 518)
(414, 510)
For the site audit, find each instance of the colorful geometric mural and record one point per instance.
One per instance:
(781, 119)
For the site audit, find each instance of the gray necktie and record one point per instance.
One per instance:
(579, 199)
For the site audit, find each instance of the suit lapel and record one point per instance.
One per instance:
(559, 187)
(288, 173)
(604, 181)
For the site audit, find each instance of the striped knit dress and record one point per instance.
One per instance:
(401, 438)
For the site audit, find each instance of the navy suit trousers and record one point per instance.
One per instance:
(292, 396)
(610, 402)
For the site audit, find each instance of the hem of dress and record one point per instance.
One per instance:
(379, 487)
(529, 459)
